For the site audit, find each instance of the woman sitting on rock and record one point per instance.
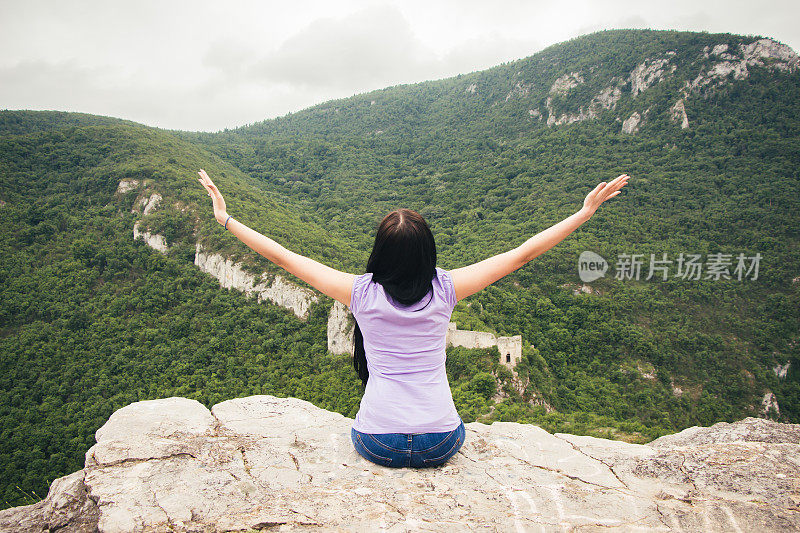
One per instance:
(402, 304)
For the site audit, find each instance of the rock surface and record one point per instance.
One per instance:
(765, 53)
(647, 74)
(715, 66)
(127, 185)
(520, 90)
(631, 124)
(678, 114)
(340, 329)
(566, 82)
(782, 370)
(153, 240)
(231, 275)
(149, 204)
(769, 404)
(263, 462)
(605, 99)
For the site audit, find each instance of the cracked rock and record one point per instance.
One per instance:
(264, 462)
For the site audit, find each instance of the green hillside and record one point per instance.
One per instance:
(92, 320)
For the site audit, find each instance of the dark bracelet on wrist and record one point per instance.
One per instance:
(226, 221)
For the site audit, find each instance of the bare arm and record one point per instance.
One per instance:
(470, 279)
(336, 284)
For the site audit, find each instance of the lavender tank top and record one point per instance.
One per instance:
(407, 390)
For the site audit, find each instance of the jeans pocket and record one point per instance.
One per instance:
(388, 441)
(434, 461)
(447, 437)
(371, 455)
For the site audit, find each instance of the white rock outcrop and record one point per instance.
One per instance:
(340, 329)
(153, 240)
(583, 288)
(678, 114)
(648, 73)
(718, 49)
(279, 291)
(769, 404)
(147, 204)
(781, 370)
(563, 84)
(152, 202)
(770, 53)
(263, 462)
(127, 185)
(631, 124)
(520, 90)
(605, 99)
(765, 53)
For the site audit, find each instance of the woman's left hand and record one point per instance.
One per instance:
(220, 211)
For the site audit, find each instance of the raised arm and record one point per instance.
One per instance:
(335, 283)
(470, 279)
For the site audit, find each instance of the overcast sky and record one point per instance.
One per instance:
(201, 65)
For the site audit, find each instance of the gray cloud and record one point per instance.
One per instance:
(42, 83)
(201, 65)
(371, 48)
(374, 45)
(480, 53)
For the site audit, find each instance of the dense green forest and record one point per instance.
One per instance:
(92, 320)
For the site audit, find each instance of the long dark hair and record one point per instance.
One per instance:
(403, 260)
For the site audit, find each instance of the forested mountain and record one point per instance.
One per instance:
(707, 125)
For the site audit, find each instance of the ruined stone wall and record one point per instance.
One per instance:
(510, 347)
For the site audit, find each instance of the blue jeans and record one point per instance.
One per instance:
(416, 450)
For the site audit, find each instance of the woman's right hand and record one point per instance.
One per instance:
(603, 192)
(220, 210)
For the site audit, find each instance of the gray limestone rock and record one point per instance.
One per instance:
(263, 462)
(631, 124)
(648, 73)
(340, 329)
(278, 290)
(765, 53)
(153, 240)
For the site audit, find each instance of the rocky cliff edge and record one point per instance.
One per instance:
(267, 463)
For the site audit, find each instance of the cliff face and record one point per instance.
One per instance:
(340, 329)
(279, 291)
(153, 240)
(262, 462)
(716, 66)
